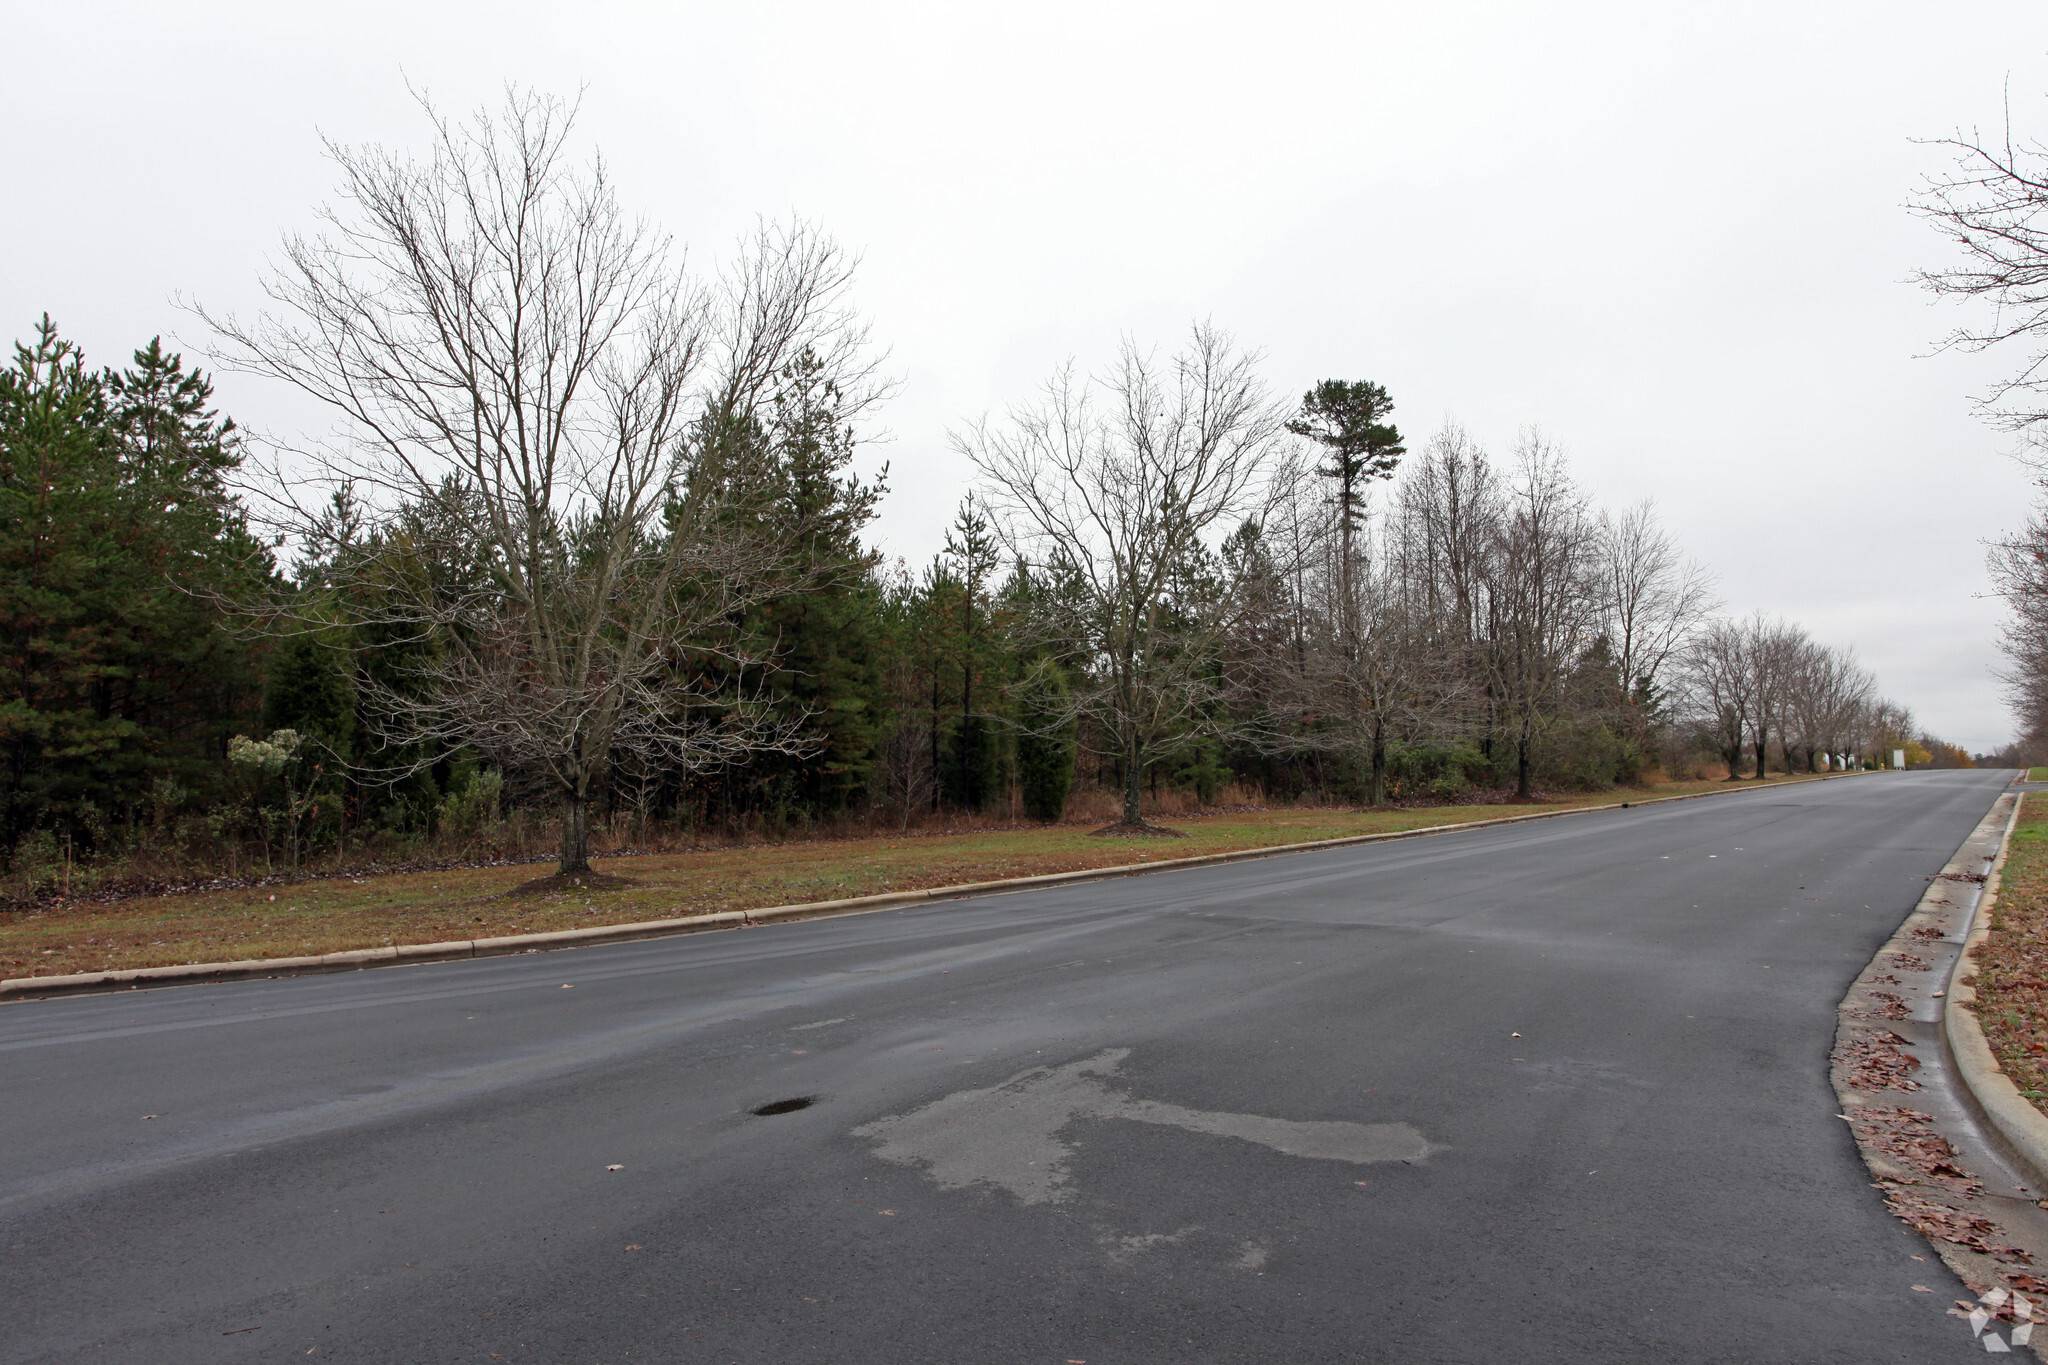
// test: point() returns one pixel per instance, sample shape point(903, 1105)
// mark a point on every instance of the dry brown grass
point(423, 907)
point(2012, 975)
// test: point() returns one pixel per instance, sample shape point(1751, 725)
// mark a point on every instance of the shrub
point(1439, 772)
point(1205, 771)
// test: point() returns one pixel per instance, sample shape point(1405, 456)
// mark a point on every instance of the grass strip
point(2012, 962)
point(340, 914)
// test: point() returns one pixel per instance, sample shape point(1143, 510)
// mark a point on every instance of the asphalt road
point(1555, 1091)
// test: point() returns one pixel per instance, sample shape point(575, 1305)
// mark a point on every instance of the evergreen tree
point(118, 545)
point(822, 634)
point(1045, 741)
point(1348, 419)
point(308, 692)
point(971, 548)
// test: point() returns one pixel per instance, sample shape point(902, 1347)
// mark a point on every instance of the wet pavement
point(1553, 1091)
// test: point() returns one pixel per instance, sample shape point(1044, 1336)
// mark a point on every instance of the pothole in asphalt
point(786, 1106)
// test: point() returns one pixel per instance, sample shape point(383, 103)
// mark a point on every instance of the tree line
point(590, 544)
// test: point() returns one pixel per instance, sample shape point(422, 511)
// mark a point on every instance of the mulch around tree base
point(1137, 829)
point(560, 884)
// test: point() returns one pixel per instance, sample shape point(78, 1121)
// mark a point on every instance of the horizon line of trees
point(594, 545)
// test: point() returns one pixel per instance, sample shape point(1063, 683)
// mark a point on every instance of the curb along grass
point(2018, 1124)
point(38, 987)
point(1920, 1090)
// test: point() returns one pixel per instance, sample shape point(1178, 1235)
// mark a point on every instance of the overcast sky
point(1670, 236)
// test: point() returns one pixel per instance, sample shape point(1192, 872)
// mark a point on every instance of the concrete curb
point(195, 973)
point(2009, 1114)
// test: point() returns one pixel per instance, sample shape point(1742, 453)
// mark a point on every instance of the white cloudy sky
point(1670, 235)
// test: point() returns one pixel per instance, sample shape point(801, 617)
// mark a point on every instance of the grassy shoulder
point(324, 916)
point(2012, 964)
point(2037, 774)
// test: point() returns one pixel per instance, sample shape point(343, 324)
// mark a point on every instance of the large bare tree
point(1353, 664)
point(1656, 598)
point(1543, 595)
point(1117, 485)
point(560, 440)
point(1718, 683)
point(1832, 691)
point(1451, 510)
point(1772, 652)
point(2019, 568)
point(1993, 206)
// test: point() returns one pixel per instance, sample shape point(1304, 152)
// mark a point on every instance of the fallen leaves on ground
point(1875, 1062)
point(1941, 1222)
point(1908, 1137)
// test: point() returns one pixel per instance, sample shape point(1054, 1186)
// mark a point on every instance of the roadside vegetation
point(604, 585)
point(2012, 975)
point(284, 918)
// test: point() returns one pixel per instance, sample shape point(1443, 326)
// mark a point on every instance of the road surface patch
point(1008, 1136)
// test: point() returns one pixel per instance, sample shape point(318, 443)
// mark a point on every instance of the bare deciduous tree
point(558, 435)
point(1718, 687)
point(1771, 652)
point(1331, 678)
point(1450, 512)
point(1994, 206)
point(1542, 594)
point(1116, 483)
point(1656, 598)
point(2019, 568)
point(1825, 693)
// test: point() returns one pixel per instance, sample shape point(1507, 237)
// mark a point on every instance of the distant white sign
point(1898, 758)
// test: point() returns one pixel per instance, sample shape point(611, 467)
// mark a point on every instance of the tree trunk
point(938, 772)
point(575, 833)
point(1379, 764)
point(1133, 780)
point(1524, 791)
point(967, 792)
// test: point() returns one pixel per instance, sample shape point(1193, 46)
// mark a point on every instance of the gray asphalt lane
point(1166, 1118)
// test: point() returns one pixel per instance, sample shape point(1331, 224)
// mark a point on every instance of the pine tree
point(117, 546)
point(1045, 742)
point(822, 634)
point(973, 556)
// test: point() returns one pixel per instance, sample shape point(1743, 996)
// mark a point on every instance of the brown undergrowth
point(1136, 829)
point(336, 914)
